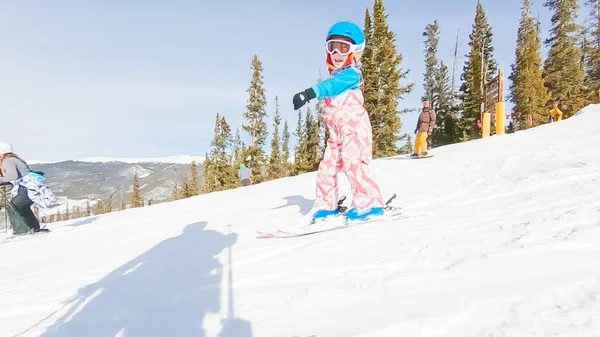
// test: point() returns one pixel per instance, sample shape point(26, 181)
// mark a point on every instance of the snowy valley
point(75, 182)
point(508, 245)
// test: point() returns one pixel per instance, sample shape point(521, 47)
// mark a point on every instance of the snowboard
point(337, 222)
point(421, 157)
point(408, 156)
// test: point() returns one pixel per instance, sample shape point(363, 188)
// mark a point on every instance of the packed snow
point(178, 159)
point(509, 246)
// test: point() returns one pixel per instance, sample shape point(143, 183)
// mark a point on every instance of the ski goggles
point(342, 47)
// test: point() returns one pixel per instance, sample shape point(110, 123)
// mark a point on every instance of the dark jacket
point(426, 120)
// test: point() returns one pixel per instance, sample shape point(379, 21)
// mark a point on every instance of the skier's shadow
point(83, 222)
point(166, 291)
point(303, 203)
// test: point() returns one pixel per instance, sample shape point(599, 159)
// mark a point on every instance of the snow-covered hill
point(76, 182)
point(510, 247)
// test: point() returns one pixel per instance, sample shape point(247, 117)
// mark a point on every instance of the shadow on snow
point(166, 291)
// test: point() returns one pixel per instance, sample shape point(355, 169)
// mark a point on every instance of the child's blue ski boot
point(326, 213)
point(362, 213)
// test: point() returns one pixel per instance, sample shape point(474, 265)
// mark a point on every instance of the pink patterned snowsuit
point(350, 144)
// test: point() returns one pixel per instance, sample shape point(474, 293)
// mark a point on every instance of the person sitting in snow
point(19, 211)
point(349, 147)
point(424, 128)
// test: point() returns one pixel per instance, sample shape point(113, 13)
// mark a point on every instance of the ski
point(25, 236)
point(339, 221)
point(281, 234)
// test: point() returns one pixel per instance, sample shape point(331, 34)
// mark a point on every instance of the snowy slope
point(179, 159)
point(511, 247)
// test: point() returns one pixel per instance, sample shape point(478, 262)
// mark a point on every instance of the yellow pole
point(500, 118)
point(485, 124)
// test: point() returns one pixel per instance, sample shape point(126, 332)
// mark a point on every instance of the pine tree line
point(438, 89)
point(569, 75)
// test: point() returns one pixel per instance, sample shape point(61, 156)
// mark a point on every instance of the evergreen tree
point(103, 206)
point(88, 208)
point(108, 204)
point(256, 127)
point(323, 133)
point(176, 192)
point(408, 146)
point(563, 71)
point(185, 187)
point(97, 210)
point(76, 212)
point(122, 205)
point(238, 152)
point(67, 212)
point(237, 149)
point(369, 72)
point(432, 37)
point(136, 196)
point(527, 90)
point(307, 154)
point(219, 174)
point(445, 130)
point(437, 88)
point(311, 155)
point(285, 148)
point(276, 165)
point(382, 87)
point(300, 141)
point(474, 79)
point(193, 189)
point(592, 51)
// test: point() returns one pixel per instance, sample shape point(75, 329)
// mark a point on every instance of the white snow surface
point(509, 246)
point(178, 159)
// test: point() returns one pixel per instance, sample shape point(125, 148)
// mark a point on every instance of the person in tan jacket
point(423, 130)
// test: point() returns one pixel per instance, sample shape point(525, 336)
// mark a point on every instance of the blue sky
point(146, 78)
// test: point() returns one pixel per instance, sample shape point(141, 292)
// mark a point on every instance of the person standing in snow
point(555, 113)
point(423, 130)
point(244, 174)
point(349, 147)
point(18, 208)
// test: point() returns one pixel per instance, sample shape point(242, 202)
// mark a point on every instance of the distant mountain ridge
point(178, 159)
point(74, 182)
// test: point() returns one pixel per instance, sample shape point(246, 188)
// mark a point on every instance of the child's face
point(338, 60)
point(339, 49)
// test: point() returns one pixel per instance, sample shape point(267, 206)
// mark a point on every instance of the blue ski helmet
point(349, 30)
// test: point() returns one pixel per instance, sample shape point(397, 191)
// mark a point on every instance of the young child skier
point(349, 147)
